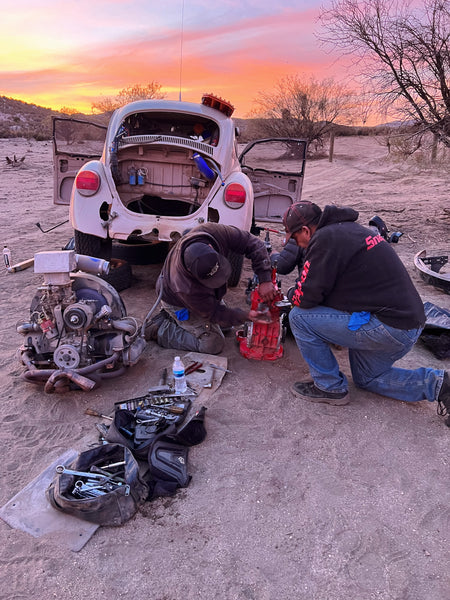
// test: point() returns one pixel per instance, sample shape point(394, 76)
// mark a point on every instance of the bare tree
point(108, 104)
point(402, 48)
point(68, 110)
point(301, 108)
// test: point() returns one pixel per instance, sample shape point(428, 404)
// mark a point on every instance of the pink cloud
point(233, 59)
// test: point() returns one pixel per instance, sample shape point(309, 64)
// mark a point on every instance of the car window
point(186, 126)
point(73, 136)
point(284, 156)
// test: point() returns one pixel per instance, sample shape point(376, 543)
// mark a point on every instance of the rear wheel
point(91, 245)
point(120, 274)
point(236, 262)
point(141, 253)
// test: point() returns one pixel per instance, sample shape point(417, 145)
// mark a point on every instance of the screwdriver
point(95, 413)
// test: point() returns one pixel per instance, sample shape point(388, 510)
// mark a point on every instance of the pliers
point(193, 367)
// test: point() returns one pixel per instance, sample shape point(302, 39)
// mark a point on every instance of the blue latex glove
point(357, 319)
point(182, 314)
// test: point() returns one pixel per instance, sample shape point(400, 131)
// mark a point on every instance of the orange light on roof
point(219, 104)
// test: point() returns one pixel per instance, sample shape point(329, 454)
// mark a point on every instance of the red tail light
point(235, 195)
point(87, 182)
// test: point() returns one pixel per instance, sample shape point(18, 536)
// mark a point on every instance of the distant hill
point(20, 119)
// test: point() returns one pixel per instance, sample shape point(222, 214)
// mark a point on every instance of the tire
point(120, 275)
point(236, 261)
point(137, 253)
point(91, 245)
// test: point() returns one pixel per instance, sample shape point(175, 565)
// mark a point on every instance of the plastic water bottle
point(179, 376)
point(7, 256)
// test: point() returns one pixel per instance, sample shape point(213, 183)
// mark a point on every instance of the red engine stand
point(262, 341)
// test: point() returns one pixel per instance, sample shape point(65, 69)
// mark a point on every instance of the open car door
point(276, 167)
point(75, 142)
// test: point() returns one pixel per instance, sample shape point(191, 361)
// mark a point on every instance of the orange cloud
point(235, 61)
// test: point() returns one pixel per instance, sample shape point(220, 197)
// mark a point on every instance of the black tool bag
point(122, 431)
point(164, 451)
point(436, 333)
point(112, 508)
point(193, 432)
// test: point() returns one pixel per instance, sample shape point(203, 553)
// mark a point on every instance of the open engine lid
point(276, 168)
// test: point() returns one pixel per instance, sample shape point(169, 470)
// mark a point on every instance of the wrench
point(62, 470)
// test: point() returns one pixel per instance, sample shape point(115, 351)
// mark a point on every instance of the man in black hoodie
point(193, 282)
point(355, 292)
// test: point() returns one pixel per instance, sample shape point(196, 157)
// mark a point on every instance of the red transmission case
point(262, 341)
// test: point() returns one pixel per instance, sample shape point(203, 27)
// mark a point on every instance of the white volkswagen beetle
point(165, 167)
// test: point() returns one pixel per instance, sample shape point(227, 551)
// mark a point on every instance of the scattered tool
point(211, 380)
point(159, 399)
point(62, 470)
point(219, 368)
point(162, 410)
point(162, 385)
point(21, 266)
point(95, 413)
point(38, 225)
point(193, 367)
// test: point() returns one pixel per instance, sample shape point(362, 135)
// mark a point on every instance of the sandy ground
point(288, 500)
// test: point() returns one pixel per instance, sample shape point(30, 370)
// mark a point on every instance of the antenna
point(181, 45)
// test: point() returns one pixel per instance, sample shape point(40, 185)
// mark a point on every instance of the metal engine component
point(66, 356)
point(78, 316)
point(78, 332)
point(263, 341)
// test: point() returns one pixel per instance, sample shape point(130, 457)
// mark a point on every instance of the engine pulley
point(66, 356)
point(78, 316)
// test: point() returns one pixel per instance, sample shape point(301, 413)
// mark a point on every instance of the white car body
point(159, 175)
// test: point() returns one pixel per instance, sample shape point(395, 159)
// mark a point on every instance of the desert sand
point(288, 500)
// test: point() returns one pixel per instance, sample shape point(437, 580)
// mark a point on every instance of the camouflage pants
point(193, 334)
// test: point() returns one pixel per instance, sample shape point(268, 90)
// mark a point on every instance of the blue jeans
point(373, 349)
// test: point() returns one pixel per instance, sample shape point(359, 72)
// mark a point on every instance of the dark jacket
point(351, 268)
point(181, 289)
point(290, 257)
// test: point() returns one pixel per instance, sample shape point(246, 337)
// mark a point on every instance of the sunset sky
point(69, 54)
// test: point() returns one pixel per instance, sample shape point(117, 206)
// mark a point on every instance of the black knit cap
point(298, 215)
point(208, 266)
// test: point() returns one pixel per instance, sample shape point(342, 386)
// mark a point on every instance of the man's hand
point(258, 316)
point(267, 291)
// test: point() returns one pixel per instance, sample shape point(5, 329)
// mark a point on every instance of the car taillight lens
point(87, 182)
point(234, 195)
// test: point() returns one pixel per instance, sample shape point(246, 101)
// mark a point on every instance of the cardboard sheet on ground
point(198, 379)
point(30, 511)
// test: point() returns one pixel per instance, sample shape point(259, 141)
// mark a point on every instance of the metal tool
point(62, 470)
point(162, 385)
point(113, 477)
point(193, 367)
point(110, 466)
point(95, 413)
point(219, 368)
point(155, 413)
point(211, 380)
point(153, 398)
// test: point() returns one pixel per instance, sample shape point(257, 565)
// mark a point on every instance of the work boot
point(307, 390)
point(443, 406)
point(152, 326)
